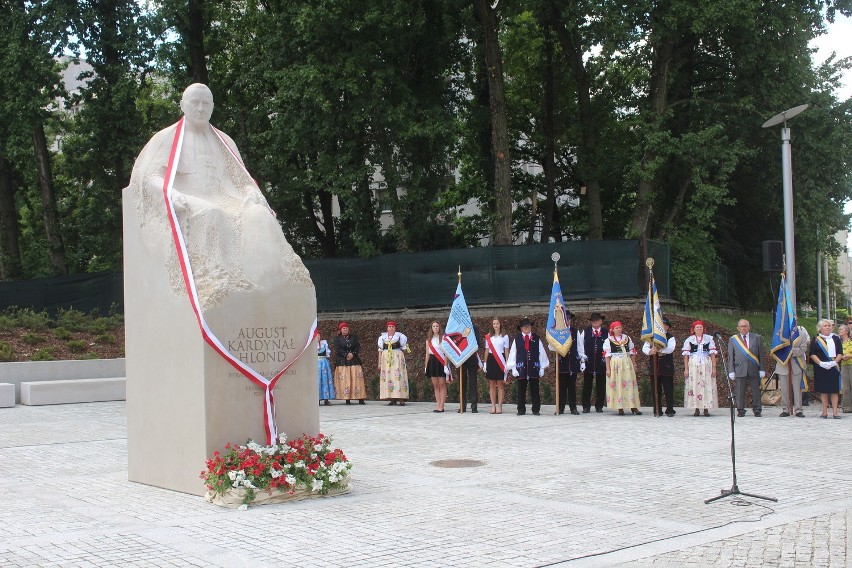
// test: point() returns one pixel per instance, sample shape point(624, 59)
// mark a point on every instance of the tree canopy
point(387, 125)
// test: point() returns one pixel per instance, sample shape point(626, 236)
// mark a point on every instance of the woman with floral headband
point(348, 374)
point(393, 374)
point(622, 390)
point(699, 371)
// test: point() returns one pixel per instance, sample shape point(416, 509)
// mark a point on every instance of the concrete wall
point(33, 371)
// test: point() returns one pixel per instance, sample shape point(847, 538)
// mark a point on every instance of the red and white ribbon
point(268, 384)
point(497, 354)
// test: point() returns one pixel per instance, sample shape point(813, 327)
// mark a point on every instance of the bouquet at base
point(289, 470)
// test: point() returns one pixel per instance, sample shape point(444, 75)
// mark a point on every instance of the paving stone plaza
point(588, 490)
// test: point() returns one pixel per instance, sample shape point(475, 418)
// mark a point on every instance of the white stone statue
point(252, 293)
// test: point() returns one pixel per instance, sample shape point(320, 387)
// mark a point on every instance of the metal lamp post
point(787, 176)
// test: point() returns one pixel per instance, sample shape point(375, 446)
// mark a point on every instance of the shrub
point(105, 338)
point(29, 319)
point(72, 319)
point(7, 322)
point(7, 352)
point(61, 333)
point(44, 354)
point(77, 345)
point(32, 339)
point(88, 355)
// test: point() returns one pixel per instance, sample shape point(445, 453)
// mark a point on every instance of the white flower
point(300, 464)
point(247, 484)
point(232, 475)
point(317, 485)
point(275, 473)
point(271, 450)
point(255, 447)
point(290, 479)
point(282, 438)
point(333, 478)
point(317, 447)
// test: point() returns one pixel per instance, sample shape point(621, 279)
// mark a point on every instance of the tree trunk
point(10, 251)
point(48, 202)
point(548, 162)
point(588, 154)
point(502, 226)
point(195, 41)
point(658, 95)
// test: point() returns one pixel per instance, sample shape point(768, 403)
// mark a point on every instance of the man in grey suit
point(745, 364)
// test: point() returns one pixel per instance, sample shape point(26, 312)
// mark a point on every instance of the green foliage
point(44, 354)
point(88, 355)
point(32, 339)
point(105, 338)
point(77, 345)
point(30, 319)
point(7, 352)
point(61, 333)
point(72, 319)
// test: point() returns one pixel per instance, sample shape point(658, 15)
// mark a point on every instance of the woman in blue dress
point(326, 381)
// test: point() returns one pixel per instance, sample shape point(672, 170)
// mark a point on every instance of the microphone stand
point(734, 490)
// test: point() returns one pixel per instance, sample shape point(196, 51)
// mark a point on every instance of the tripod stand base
point(734, 490)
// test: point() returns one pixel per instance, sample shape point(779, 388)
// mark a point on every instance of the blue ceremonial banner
point(786, 330)
point(558, 330)
point(652, 318)
point(459, 341)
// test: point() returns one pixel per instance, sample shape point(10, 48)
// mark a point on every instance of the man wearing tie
point(593, 366)
point(527, 360)
point(745, 364)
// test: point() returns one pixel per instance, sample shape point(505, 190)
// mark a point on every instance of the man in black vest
point(568, 367)
point(665, 369)
point(590, 350)
point(528, 360)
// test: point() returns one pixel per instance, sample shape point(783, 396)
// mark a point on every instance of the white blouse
point(617, 352)
point(701, 350)
point(397, 336)
point(501, 343)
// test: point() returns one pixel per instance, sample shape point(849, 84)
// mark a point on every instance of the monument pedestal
point(184, 400)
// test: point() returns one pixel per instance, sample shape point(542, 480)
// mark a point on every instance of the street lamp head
point(787, 114)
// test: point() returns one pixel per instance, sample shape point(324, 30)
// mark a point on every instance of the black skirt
point(492, 370)
point(434, 368)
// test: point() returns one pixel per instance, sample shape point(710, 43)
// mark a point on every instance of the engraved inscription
point(255, 345)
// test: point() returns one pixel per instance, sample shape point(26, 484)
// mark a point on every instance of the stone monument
point(217, 304)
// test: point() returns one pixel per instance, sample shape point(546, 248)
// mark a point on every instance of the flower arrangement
point(307, 465)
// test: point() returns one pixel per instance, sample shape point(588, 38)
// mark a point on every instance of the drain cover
point(458, 463)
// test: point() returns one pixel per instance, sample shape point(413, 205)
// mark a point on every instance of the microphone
point(717, 335)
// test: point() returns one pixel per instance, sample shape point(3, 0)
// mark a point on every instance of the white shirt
point(608, 347)
point(501, 343)
point(671, 345)
point(544, 362)
point(581, 342)
point(397, 336)
point(692, 340)
point(323, 348)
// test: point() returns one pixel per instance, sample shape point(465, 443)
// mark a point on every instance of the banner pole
point(557, 384)
point(461, 389)
point(658, 411)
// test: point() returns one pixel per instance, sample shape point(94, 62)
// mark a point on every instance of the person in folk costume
point(496, 370)
point(590, 350)
point(745, 365)
point(326, 382)
point(471, 368)
point(620, 355)
point(798, 362)
point(527, 360)
point(665, 368)
point(826, 352)
point(435, 366)
point(348, 374)
point(393, 374)
point(699, 371)
point(569, 366)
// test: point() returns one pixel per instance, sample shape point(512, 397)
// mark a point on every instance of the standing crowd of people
point(605, 357)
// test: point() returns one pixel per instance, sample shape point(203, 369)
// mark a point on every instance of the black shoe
point(784, 414)
point(392, 403)
point(800, 414)
point(326, 403)
point(599, 410)
point(670, 413)
point(586, 410)
point(361, 402)
point(474, 410)
point(740, 413)
point(535, 413)
point(521, 412)
point(574, 411)
point(348, 402)
point(758, 413)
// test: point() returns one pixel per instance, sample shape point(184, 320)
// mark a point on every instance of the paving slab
point(578, 491)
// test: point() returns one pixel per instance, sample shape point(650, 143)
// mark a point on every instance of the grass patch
point(77, 345)
point(44, 354)
point(88, 355)
point(32, 338)
point(29, 319)
point(105, 338)
point(61, 333)
point(7, 352)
